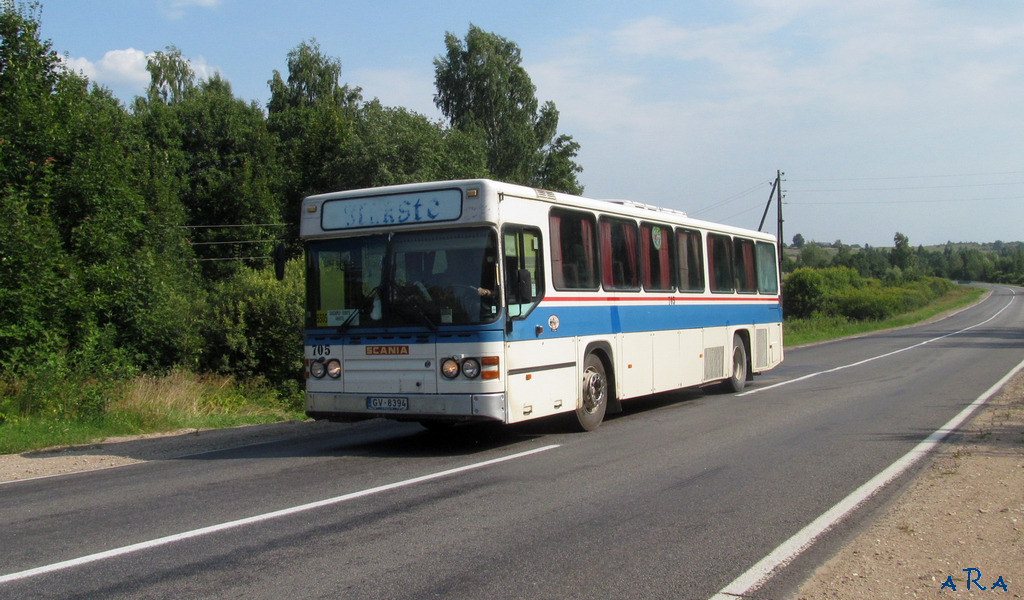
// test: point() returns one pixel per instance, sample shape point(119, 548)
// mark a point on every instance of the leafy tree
point(231, 174)
point(798, 240)
point(313, 80)
point(392, 145)
point(313, 115)
point(870, 262)
point(483, 89)
point(331, 140)
point(171, 77)
point(34, 272)
point(33, 281)
point(901, 256)
point(29, 75)
point(814, 256)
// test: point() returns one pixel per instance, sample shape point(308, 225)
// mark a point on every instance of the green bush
point(808, 291)
point(866, 304)
point(255, 326)
point(841, 292)
point(63, 386)
point(803, 293)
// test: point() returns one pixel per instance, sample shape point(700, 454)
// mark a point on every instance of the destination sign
point(394, 209)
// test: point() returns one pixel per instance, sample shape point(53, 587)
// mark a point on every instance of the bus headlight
point(450, 368)
point(471, 368)
point(334, 368)
point(317, 368)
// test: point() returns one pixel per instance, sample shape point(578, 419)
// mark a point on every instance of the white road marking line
point(874, 358)
point(67, 564)
point(757, 575)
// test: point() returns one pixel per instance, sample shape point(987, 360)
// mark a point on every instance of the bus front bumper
point(406, 407)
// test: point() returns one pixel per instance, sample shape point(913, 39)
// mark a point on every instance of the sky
point(885, 116)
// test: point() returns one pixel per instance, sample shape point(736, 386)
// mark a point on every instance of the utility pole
point(777, 194)
point(778, 204)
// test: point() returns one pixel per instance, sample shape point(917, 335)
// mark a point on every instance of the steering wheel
point(423, 290)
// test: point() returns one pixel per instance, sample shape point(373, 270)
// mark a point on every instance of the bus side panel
point(775, 338)
point(635, 364)
point(677, 358)
point(542, 377)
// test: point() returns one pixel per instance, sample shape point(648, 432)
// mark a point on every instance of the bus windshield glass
point(408, 279)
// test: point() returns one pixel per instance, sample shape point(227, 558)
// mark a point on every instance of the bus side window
point(720, 263)
point(767, 274)
point(619, 254)
point(691, 260)
point(573, 250)
point(522, 252)
point(656, 257)
point(743, 265)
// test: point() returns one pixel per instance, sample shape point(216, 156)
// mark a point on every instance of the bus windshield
point(425, 278)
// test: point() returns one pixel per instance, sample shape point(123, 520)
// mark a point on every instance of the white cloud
point(117, 69)
point(124, 71)
point(176, 9)
point(201, 69)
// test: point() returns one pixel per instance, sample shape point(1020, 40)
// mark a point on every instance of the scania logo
point(386, 350)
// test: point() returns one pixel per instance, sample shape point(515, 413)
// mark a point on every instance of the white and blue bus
point(476, 300)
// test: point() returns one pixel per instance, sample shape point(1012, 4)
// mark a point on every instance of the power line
point(234, 242)
point(916, 187)
point(732, 198)
point(930, 201)
point(228, 226)
point(234, 258)
point(900, 177)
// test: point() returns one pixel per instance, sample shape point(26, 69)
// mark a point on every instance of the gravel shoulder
point(964, 510)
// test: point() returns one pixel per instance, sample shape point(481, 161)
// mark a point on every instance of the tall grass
point(143, 404)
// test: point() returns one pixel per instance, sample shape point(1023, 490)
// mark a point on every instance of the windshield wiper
point(422, 314)
point(367, 302)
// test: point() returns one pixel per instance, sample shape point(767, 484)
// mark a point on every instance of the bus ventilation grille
point(761, 354)
point(714, 363)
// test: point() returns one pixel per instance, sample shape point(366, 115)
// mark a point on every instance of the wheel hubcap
point(593, 390)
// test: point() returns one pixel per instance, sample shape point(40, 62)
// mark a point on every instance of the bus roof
point(626, 208)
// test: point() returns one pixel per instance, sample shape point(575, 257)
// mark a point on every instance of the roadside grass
point(151, 404)
point(797, 332)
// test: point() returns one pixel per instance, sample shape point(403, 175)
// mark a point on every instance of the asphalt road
point(673, 499)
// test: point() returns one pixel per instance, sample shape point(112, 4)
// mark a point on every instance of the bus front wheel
point(593, 395)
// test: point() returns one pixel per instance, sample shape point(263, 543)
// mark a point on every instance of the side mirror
point(524, 287)
point(280, 257)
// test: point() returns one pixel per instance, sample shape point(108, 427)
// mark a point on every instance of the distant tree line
point(136, 238)
point(997, 262)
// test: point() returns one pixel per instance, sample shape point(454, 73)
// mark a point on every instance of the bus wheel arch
point(603, 350)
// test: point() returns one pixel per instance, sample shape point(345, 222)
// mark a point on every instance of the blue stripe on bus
point(574, 319)
point(577, 320)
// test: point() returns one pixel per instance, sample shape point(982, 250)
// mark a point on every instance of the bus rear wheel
point(738, 381)
point(593, 395)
